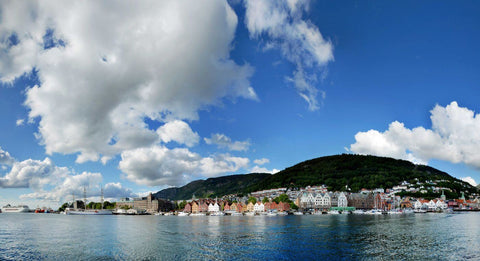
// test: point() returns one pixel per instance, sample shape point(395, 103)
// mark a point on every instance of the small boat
point(218, 213)
point(420, 211)
point(250, 214)
point(374, 212)
point(333, 212)
point(282, 213)
point(272, 214)
point(197, 214)
point(237, 214)
point(298, 213)
point(358, 212)
point(182, 214)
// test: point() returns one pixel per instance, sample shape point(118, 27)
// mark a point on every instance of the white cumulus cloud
point(5, 158)
point(223, 141)
point(178, 131)
point(159, 165)
point(34, 174)
point(53, 183)
point(279, 23)
point(454, 137)
point(102, 75)
point(258, 169)
point(470, 181)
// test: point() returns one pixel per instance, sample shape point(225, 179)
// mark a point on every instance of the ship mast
point(85, 197)
point(101, 198)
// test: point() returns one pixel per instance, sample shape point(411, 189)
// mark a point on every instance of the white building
point(213, 207)
point(259, 207)
point(342, 200)
point(307, 200)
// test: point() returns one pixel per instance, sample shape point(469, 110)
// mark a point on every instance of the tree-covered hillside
point(212, 187)
point(337, 172)
point(357, 172)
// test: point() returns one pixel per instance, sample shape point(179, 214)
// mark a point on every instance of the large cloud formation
point(104, 67)
point(53, 183)
point(280, 24)
point(158, 165)
point(454, 137)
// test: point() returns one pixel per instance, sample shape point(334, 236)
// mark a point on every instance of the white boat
point(358, 212)
point(282, 213)
point(237, 214)
point(298, 213)
point(408, 211)
point(69, 211)
point(218, 213)
point(420, 211)
point(197, 214)
point(168, 213)
point(374, 212)
point(182, 214)
point(15, 209)
point(250, 214)
point(394, 212)
point(272, 214)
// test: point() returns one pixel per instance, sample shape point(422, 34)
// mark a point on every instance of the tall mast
point(85, 197)
point(101, 197)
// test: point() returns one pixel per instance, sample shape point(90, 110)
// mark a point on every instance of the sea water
point(334, 237)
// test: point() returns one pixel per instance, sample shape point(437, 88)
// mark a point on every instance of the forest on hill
point(346, 172)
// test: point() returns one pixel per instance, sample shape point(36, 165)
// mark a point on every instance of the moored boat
point(15, 209)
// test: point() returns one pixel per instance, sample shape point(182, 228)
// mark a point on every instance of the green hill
point(336, 172)
point(212, 187)
point(358, 171)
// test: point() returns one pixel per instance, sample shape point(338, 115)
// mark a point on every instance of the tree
point(265, 200)
point(293, 206)
point(252, 199)
point(182, 205)
point(63, 207)
point(284, 198)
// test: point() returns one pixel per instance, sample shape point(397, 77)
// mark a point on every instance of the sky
point(139, 96)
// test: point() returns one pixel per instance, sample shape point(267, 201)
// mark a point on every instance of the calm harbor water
point(344, 237)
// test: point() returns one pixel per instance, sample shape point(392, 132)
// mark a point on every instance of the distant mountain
point(336, 172)
point(358, 171)
point(212, 187)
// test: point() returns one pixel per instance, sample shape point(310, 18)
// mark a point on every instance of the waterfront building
point(259, 207)
point(188, 208)
point(283, 206)
point(342, 200)
point(226, 207)
point(195, 208)
point(202, 206)
point(307, 200)
point(146, 204)
point(361, 200)
point(250, 207)
point(233, 207)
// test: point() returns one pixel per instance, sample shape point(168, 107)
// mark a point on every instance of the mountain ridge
point(345, 172)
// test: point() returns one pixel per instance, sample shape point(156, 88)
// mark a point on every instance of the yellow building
point(250, 207)
point(195, 207)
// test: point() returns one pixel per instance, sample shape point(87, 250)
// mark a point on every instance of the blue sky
point(185, 90)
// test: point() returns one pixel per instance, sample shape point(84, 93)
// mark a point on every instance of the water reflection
point(426, 236)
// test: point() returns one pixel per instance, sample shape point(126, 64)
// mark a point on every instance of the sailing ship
point(85, 211)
